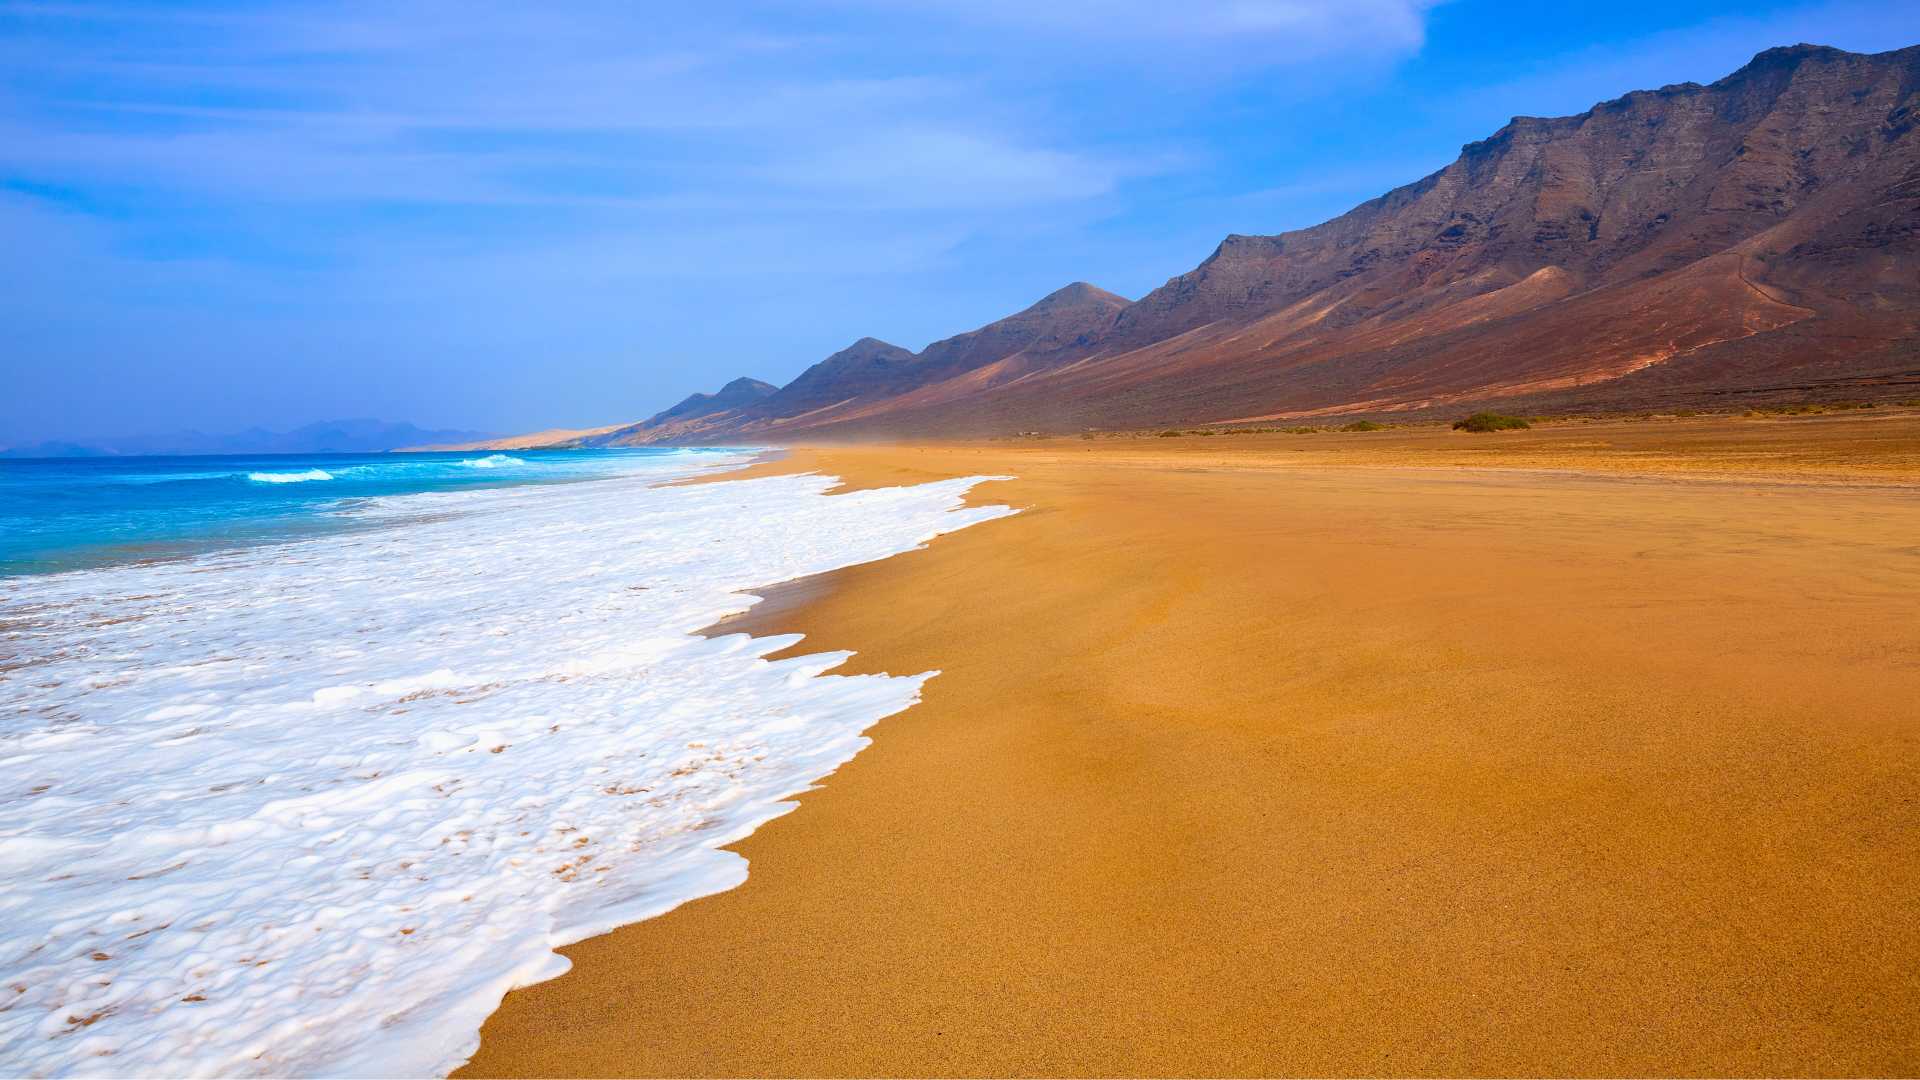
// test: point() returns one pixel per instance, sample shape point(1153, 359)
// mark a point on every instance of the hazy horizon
point(484, 218)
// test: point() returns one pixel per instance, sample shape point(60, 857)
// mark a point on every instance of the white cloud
point(910, 167)
point(488, 103)
point(1300, 25)
point(1305, 26)
point(395, 185)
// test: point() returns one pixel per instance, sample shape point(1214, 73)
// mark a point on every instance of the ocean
point(67, 513)
point(305, 762)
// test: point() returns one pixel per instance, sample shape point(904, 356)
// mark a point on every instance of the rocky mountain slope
point(1687, 244)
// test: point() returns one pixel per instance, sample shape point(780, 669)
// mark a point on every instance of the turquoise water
point(66, 514)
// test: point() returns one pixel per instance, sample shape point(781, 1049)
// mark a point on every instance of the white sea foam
point(491, 461)
point(315, 807)
point(289, 477)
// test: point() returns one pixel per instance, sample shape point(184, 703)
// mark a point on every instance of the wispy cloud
point(216, 181)
point(297, 103)
point(1307, 26)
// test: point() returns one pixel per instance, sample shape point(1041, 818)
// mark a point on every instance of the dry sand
point(1314, 755)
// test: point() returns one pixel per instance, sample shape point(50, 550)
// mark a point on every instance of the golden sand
point(1311, 755)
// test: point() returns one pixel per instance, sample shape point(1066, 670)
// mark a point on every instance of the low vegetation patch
point(1364, 425)
point(1810, 408)
point(1177, 433)
point(1489, 421)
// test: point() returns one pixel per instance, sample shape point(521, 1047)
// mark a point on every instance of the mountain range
point(328, 436)
point(1692, 244)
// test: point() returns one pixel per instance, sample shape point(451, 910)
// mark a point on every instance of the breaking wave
point(289, 477)
point(313, 808)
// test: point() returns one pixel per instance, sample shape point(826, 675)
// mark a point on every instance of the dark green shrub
point(1488, 421)
point(1810, 408)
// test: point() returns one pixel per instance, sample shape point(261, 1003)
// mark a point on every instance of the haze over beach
point(1253, 539)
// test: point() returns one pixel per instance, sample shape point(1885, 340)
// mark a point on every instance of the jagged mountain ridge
point(1686, 243)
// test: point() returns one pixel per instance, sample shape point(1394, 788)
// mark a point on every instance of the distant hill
point(871, 377)
point(1688, 245)
point(736, 395)
point(329, 436)
point(696, 413)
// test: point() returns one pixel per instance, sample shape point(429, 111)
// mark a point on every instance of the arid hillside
point(1688, 245)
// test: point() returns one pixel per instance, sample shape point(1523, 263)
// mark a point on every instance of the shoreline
point(1240, 764)
point(375, 789)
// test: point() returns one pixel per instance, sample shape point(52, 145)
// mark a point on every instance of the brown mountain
point(867, 367)
point(886, 379)
point(871, 379)
point(738, 394)
point(693, 416)
point(1692, 243)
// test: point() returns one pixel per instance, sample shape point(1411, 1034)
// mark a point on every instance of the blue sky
point(509, 216)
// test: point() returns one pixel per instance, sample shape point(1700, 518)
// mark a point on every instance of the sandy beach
point(1591, 750)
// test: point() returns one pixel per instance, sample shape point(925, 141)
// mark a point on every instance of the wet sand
point(1588, 750)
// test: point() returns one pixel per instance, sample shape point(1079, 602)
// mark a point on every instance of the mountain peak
point(845, 374)
point(1786, 59)
point(1793, 54)
point(737, 394)
point(1079, 292)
